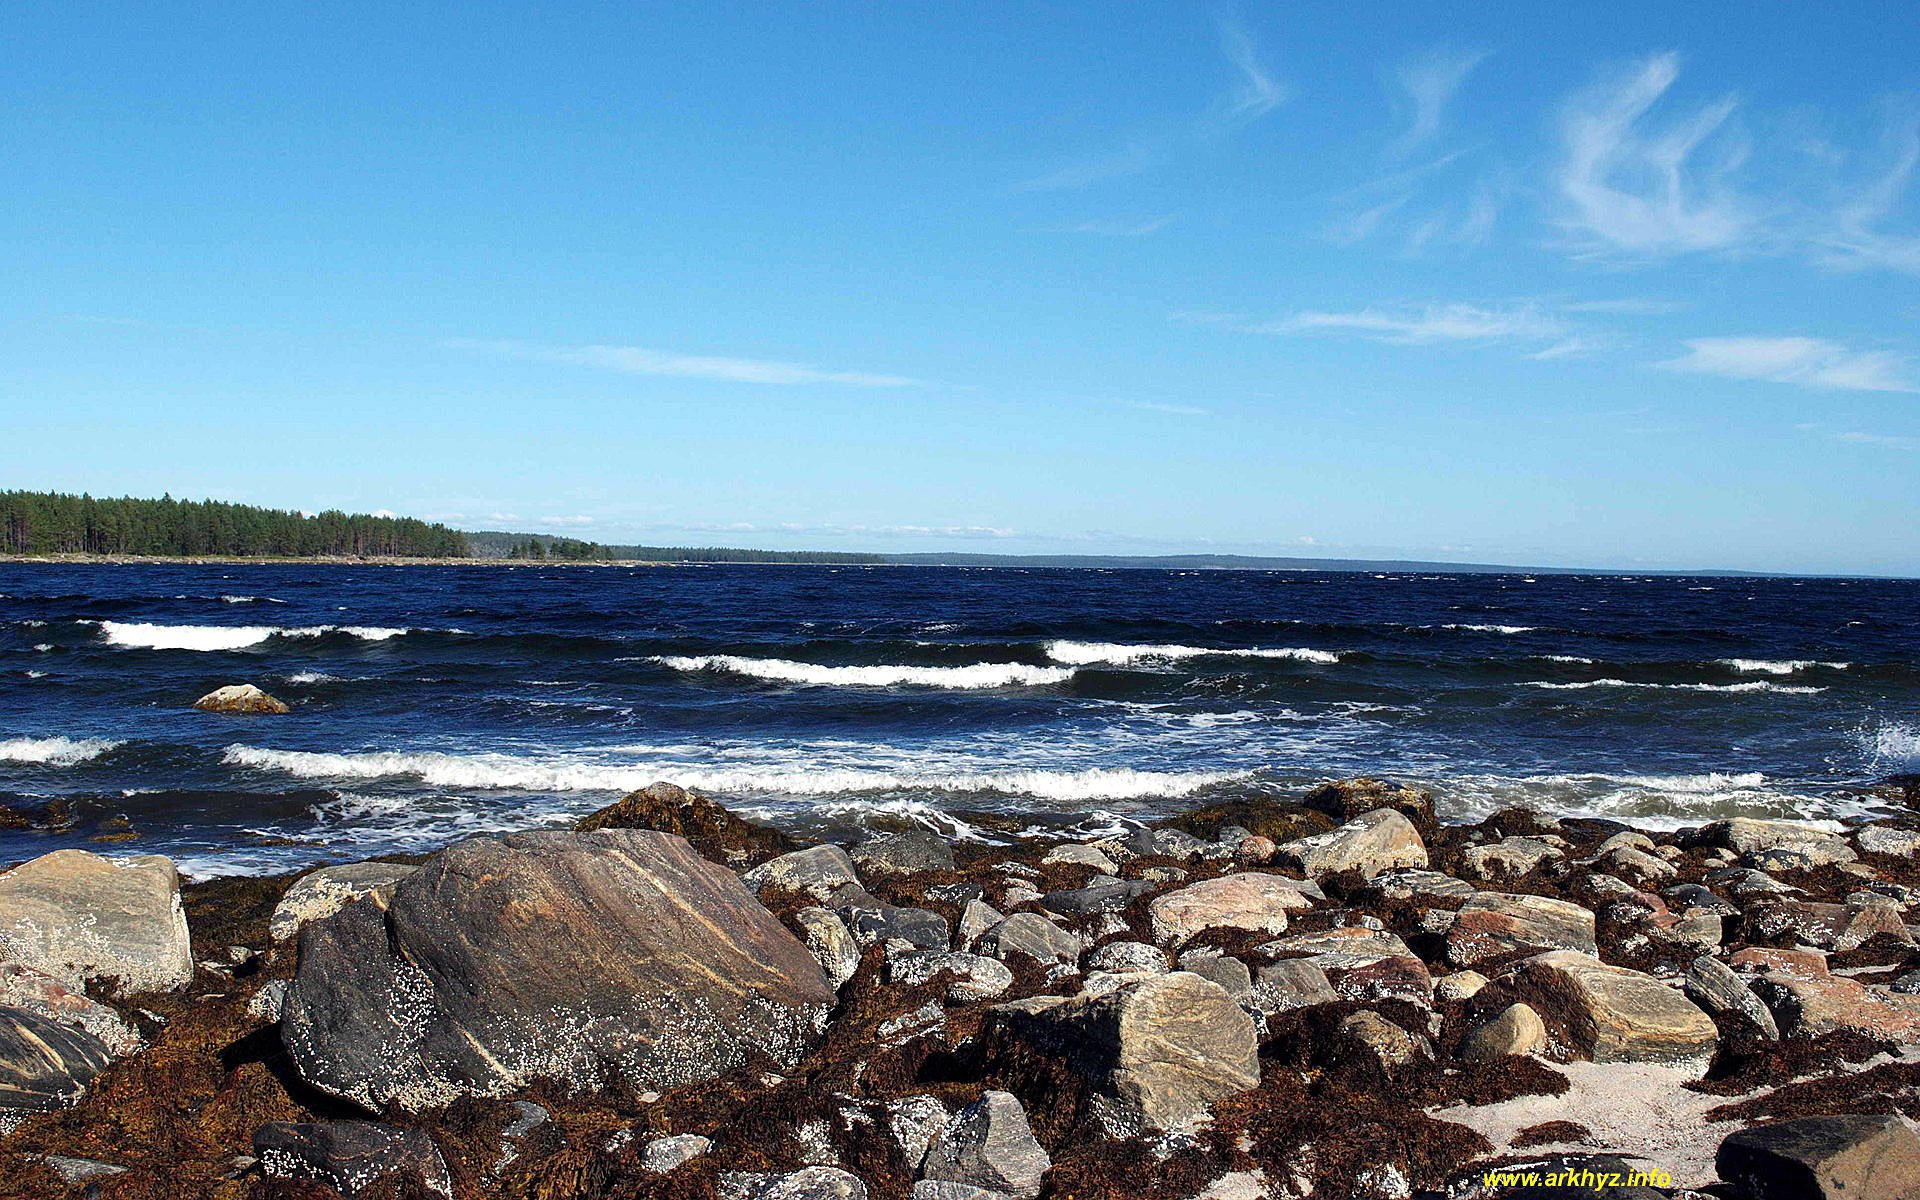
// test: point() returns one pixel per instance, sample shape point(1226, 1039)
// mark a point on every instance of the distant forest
point(56, 523)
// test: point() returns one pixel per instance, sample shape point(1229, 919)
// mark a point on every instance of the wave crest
point(1783, 666)
point(54, 751)
point(978, 675)
point(1757, 685)
point(1121, 654)
point(144, 636)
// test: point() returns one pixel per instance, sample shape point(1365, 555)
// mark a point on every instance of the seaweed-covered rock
point(1847, 1157)
point(1828, 926)
point(1251, 901)
point(83, 918)
point(712, 830)
point(1492, 924)
point(1369, 844)
point(45, 1064)
point(1359, 963)
point(1101, 894)
point(873, 920)
point(972, 977)
point(326, 891)
point(989, 1144)
point(830, 942)
point(1157, 1050)
point(241, 698)
point(1345, 799)
point(584, 957)
point(349, 1156)
point(1614, 1014)
point(1508, 858)
point(1771, 844)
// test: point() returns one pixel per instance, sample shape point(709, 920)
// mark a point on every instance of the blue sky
point(1633, 285)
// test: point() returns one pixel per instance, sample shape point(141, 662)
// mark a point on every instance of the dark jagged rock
point(989, 1144)
point(330, 889)
point(580, 957)
point(45, 1064)
point(1824, 1158)
point(711, 829)
point(1101, 895)
point(350, 1156)
point(873, 920)
point(1032, 936)
point(1712, 985)
point(1345, 799)
point(817, 871)
point(907, 853)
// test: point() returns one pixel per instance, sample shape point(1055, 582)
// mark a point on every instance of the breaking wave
point(1119, 654)
point(1493, 628)
point(1785, 666)
point(1758, 685)
point(978, 675)
point(141, 636)
point(54, 751)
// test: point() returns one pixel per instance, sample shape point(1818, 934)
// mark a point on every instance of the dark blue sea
point(434, 702)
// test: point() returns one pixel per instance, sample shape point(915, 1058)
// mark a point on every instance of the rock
point(1828, 926)
point(1251, 901)
point(1176, 843)
point(1770, 844)
point(1852, 1157)
point(915, 1121)
point(975, 919)
point(240, 698)
point(811, 1183)
point(830, 942)
point(83, 919)
point(79, 1170)
point(349, 1156)
point(1156, 1051)
point(1369, 844)
point(1712, 985)
point(582, 957)
point(1289, 984)
point(944, 1189)
point(270, 1002)
point(1360, 963)
point(872, 920)
point(1345, 799)
point(975, 977)
point(1224, 969)
point(712, 830)
point(1255, 848)
point(1078, 855)
point(1888, 839)
point(1461, 985)
point(1639, 867)
point(1493, 924)
point(326, 891)
point(989, 1145)
point(1421, 885)
point(1808, 1005)
point(44, 1064)
point(907, 853)
point(1370, 1037)
point(1692, 895)
point(1103, 894)
point(1517, 1030)
point(1128, 957)
point(818, 872)
point(663, 1154)
point(1507, 858)
point(1031, 936)
point(1614, 1014)
point(36, 991)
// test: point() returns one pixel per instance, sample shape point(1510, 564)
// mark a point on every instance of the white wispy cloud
point(640, 360)
point(1639, 187)
point(1173, 410)
point(1856, 238)
point(1809, 362)
point(1428, 324)
point(1891, 441)
point(1254, 93)
point(1123, 228)
point(833, 529)
point(1426, 84)
point(564, 522)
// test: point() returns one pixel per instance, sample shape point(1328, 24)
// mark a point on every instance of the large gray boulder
point(989, 1144)
point(1249, 901)
point(1777, 844)
point(1369, 844)
point(906, 853)
point(581, 957)
point(82, 918)
point(1615, 1014)
point(817, 871)
point(1156, 1050)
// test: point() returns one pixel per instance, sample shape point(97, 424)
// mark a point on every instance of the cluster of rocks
point(1269, 999)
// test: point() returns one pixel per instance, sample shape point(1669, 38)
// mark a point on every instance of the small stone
point(1508, 858)
point(975, 919)
point(1517, 1030)
point(1413, 884)
point(817, 872)
point(1777, 843)
point(1371, 1037)
point(810, 1183)
point(1289, 984)
point(1083, 856)
point(872, 920)
point(946, 1189)
point(79, 1170)
point(1829, 926)
point(915, 1121)
point(974, 977)
point(269, 1002)
point(989, 1144)
point(1888, 839)
point(907, 853)
point(1461, 985)
point(663, 1154)
point(830, 942)
point(1853, 1157)
point(1346, 799)
point(240, 698)
point(44, 1064)
point(1224, 969)
point(1809, 1005)
point(1127, 956)
point(349, 1156)
point(1360, 963)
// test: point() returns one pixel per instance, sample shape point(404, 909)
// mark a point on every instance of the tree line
point(58, 523)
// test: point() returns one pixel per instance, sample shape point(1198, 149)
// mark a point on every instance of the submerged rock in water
point(240, 698)
point(581, 957)
point(82, 919)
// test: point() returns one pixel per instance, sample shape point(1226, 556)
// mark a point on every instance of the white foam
point(1649, 801)
point(54, 751)
point(1784, 666)
point(312, 677)
point(1494, 628)
point(226, 637)
point(1565, 658)
point(1083, 653)
point(1894, 749)
point(500, 771)
point(1758, 685)
point(978, 675)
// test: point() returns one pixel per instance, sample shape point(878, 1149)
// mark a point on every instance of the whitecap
point(54, 751)
point(1121, 654)
point(1784, 666)
point(1757, 685)
point(143, 636)
point(977, 675)
point(1494, 628)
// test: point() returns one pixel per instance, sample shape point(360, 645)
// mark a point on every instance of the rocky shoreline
point(1328, 996)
